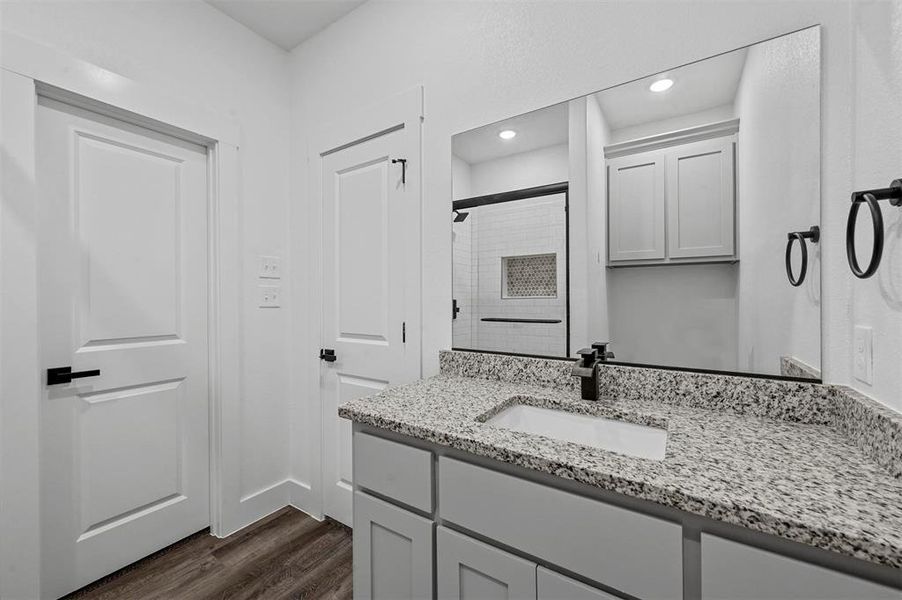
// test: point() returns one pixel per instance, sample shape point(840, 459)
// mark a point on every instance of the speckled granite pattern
point(511, 369)
point(793, 367)
point(799, 478)
point(874, 428)
point(774, 398)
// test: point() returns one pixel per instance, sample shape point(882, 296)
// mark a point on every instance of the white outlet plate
point(270, 267)
point(270, 296)
point(863, 354)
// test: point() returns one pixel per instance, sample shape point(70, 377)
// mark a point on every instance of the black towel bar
point(813, 234)
point(870, 197)
point(514, 320)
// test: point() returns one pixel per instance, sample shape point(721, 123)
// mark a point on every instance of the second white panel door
point(370, 286)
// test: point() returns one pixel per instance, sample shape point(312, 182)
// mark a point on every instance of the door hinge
point(404, 332)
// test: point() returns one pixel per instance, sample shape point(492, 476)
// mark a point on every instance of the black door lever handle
point(60, 375)
point(327, 354)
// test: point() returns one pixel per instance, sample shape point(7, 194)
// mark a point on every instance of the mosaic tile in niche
point(530, 276)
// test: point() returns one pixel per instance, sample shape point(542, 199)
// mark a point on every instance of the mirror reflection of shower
point(510, 237)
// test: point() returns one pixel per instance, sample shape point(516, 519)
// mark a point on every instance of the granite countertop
point(803, 482)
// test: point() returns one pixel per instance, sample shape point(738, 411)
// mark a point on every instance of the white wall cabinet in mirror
point(700, 212)
point(636, 207)
point(674, 204)
point(675, 196)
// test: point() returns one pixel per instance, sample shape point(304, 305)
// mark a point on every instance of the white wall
point(684, 316)
point(518, 171)
point(598, 136)
point(481, 62)
point(876, 159)
point(461, 177)
point(191, 51)
point(778, 185)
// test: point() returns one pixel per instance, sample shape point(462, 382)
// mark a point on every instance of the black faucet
point(586, 368)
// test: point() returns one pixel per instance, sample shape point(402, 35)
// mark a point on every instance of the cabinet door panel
point(700, 199)
point(554, 586)
point(392, 551)
point(471, 570)
point(734, 571)
point(636, 207)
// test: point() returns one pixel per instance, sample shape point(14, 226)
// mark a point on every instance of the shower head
point(460, 217)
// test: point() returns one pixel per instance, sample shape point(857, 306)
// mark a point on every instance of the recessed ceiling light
point(507, 134)
point(661, 85)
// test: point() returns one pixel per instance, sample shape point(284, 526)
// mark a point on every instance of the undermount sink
point(640, 441)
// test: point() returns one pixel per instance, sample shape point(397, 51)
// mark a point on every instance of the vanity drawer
point(735, 571)
point(396, 471)
point(635, 553)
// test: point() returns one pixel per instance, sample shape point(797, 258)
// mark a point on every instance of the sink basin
point(641, 441)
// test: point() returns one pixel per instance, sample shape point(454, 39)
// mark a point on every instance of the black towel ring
point(813, 234)
point(870, 197)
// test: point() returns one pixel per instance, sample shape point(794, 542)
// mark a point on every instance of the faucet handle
point(602, 349)
point(588, 356)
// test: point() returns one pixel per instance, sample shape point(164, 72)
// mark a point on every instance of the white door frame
point(29, 69)
point(402, 110)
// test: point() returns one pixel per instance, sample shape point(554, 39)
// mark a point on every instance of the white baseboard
point(264, 502)
point(303, 498)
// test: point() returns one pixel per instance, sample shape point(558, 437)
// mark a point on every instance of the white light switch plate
point(863, 354)
point(270, 296)
point(270, 267)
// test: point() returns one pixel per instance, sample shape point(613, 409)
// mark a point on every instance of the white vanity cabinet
point(392, 554)
point(734, 571)
point(554, 586)
point(672, 199)
point(471, 570)
point(430, 523)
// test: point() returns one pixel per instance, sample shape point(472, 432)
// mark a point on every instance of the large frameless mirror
point(675, 217)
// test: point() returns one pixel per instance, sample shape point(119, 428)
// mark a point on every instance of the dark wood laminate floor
point(286, 555)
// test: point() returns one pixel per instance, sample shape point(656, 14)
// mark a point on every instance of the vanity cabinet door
point(554, 586)
point(734, 571)
point(471, 570)
point(636, 207)
point(700, 199)
point(392, 551)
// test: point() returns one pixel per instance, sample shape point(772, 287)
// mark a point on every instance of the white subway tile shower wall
point(523, 227)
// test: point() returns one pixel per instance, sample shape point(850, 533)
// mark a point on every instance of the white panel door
point(370, 288)
point(123, 289)
point(700, 205)
point(636, 197)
